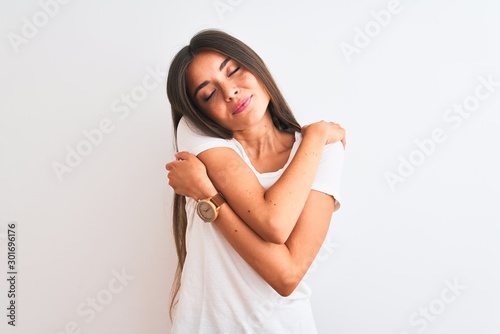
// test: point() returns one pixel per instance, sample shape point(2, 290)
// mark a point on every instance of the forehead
point(203, 65)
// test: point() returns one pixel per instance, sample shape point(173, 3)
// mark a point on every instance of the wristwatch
point(208, 209)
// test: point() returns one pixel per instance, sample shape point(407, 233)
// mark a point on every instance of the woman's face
point(226, 92)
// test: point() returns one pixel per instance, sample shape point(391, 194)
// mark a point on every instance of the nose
point(229, 91)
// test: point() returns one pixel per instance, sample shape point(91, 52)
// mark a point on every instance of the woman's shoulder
point(330, 151)
point(191, 140)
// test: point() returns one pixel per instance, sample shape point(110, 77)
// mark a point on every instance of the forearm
point(281, 266)
point(271, 213)
point(286, 198)
point(273, 262)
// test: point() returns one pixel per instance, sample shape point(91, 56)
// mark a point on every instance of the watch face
point(206, 211)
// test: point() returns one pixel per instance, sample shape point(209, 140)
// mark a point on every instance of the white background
point(390, 251)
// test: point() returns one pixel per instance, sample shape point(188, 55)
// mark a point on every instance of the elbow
point(277, 238)
point(287, 283)
point(287, 287)
point(286, 291)
point(277, 233)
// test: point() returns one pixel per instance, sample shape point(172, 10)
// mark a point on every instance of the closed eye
point(230, 74)
point(234, 71)
point(209, 96)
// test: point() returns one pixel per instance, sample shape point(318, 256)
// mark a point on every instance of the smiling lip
point(242, 105)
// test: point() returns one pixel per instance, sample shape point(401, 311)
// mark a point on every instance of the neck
point(263, 138)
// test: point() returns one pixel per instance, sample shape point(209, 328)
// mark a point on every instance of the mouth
point(242, 105)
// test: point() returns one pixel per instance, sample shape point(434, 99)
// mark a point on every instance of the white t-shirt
point(220, 293)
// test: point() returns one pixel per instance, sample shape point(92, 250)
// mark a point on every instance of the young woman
point(255, 193)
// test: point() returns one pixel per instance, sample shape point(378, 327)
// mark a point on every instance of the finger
point(173, 185)
point(183, 155)
point(171, 165)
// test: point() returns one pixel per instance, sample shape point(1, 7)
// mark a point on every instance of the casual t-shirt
point(220, 292)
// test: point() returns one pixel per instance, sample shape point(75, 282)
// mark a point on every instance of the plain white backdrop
point(85, 132)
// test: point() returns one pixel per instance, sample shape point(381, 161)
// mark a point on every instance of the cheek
point(251, 81)
point(215, 110)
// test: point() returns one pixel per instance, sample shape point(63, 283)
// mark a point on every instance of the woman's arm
point(272, 214)
point(282, 266)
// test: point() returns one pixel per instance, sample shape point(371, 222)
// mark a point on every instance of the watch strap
point(218, 200)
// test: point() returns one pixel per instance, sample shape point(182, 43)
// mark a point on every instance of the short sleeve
point(330, 172)
point(190, 141)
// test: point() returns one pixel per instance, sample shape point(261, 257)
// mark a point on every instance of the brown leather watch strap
point(218, 200)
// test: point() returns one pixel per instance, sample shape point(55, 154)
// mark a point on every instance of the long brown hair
point(183, 106)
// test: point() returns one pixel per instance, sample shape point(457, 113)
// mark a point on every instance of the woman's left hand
point(188, 176)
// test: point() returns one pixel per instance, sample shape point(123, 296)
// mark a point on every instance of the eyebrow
point(203, 84)
point(206, 82)
point(223, 64)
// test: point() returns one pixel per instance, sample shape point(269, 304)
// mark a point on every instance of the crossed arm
point(278, 232)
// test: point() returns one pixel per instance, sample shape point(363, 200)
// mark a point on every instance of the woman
point(255, 193)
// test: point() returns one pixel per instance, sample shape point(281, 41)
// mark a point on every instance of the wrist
point(207, 192)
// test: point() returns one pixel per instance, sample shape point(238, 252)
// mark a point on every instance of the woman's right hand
point(188, 176)
point(331, 132)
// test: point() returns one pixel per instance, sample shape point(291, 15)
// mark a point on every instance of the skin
point(270, 229)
